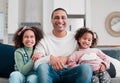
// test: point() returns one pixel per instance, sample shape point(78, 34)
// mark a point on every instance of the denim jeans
point(17, 77)
point(79, 74)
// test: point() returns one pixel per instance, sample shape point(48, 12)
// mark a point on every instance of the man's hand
point(64, 59)
point(58, 62)
point(36, 56)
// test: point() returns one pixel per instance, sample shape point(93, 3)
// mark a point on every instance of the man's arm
point(41, 48)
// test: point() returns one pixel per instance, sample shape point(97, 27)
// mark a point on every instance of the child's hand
point(102, 67)
point(36, 56)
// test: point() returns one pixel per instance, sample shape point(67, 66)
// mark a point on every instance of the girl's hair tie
point(25, 27)
point(94, 35)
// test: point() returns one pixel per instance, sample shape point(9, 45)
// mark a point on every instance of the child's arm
point(73, 60)
point(105, 63)
point(21, 66)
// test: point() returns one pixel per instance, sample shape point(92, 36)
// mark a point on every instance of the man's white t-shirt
point(52, 45)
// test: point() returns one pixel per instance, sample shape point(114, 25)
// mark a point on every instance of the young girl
point(87, 39)
point(25, 39)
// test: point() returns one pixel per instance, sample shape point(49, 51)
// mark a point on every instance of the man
point(56, 47)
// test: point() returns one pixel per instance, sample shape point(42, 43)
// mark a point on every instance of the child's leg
point(104, 77)
point(16, 77)
point(95, 79)
point(32, 78)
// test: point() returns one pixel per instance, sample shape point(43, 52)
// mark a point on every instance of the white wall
point(50, 5)
point(23, 11)
point(96, 12)
point(99, 10)
point(47, 11)
point(13, 18)
point(72, 7)
point(3, 21)
point(33, 10)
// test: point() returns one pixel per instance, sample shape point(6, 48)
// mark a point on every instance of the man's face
point(59, 20)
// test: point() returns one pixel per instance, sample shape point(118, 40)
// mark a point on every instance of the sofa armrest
point(6, 60)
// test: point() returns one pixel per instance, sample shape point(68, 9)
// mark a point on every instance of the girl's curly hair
point(18, 36)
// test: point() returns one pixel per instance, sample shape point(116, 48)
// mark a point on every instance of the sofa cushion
point(4, 80)
point(6, 60)
point(114, 53)
point(112, 70)
point(116, 64)
point(115, 80)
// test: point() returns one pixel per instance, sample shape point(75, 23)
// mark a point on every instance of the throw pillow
point(116, 64)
